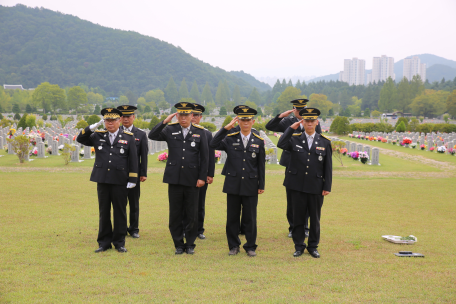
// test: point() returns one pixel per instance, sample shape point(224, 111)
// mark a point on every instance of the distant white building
point(14, 87)
point(413, 66)
point(369, 78)
point(382, 68)
point(353, 72)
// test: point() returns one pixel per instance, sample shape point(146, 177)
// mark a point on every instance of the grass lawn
point(49, 223)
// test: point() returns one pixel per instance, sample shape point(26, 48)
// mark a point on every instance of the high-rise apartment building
point(353, 72)
point(413, 66)
point(382, 68)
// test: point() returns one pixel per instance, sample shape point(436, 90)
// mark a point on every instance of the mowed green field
point(49, 224)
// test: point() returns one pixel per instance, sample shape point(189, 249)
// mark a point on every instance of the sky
point(279, 38)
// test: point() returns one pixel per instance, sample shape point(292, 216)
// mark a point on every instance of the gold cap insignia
point(125, 107)
point(109, 110)
point(245, 110)
point(300, 101)
point(309, 110)
point(184, 105)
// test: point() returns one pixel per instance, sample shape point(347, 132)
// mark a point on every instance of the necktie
point(309, 141)
point(245, 141)
point(185, 131)
point(112, 137)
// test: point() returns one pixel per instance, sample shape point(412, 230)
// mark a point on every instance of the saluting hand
point(232, 123)
point(285, 114)
point(169, 118)
point(296, 124)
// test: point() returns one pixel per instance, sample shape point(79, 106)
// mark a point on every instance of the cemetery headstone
point(375, 157)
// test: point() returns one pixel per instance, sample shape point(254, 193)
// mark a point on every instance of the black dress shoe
point(234, 251)
point(190, 250)
point(201, 236)
point(306, 233)
point(290, 235)
point(314, 254)
point(297, 253)
point(121, 249)
point(135, 235)
point(179, 251)
point(101, 249)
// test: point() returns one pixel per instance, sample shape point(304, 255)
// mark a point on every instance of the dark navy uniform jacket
point(280, 125)
point(309, 171)
point(234, 130)
point(211, 163)
point(187, 157)
point(142, 148)
point(114, 164)
point(245, 167)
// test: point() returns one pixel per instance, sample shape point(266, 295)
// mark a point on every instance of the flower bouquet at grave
point(343, 151)
point(49, 150)
point(371, 138)
point(432, 149)
point(55, 138)
point(34, 151)
point(413, 145)
point(354, 155)
point(338, 150)
point(406, 141)
point(81, 152)
point(384, 140)
point(218, 154)
point(359, 136)
point(92, 151)
point(441, 149)
point(451, 151)
point(350, 135)
point(366, 137)
point(32, 141)
point(61, 147)
point(363, 157)
point(163, 157)
point(422, 147)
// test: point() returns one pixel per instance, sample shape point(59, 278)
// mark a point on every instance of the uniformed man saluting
point(244, 178)
point(308, 177)
point(115, 169)
point(142, 149)
point(185, 173)
point(279, 124)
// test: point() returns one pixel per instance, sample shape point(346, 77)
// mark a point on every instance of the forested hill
point(38, 45)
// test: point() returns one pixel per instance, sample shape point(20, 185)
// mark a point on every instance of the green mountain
point(438, 71)
point(261, 86)
point(38, 45)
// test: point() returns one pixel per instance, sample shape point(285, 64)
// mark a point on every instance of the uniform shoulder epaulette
point(128, 132)
point(101, 131)
point(231, 134)
point(198, 126)
point(258, 136)
point(172, 123)
point(297, 134)
point(254, 129)
point(325, 137)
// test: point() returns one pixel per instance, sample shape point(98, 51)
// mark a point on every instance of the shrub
point(222, 111)
point(340, 125)
point(401, 127)
point(401, 119)
point(21, 146)
point(208, 125)
point(23, 122)
point(93, 119)
point(53, 117)
point(30, 121)
point(66, 154)
point(82, 124)
point(45, 117)
point(153, 122)
point(17, 116)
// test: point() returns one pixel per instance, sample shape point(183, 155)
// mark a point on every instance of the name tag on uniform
point(235, 144)
point(298, 146)
point(320, 148)
point(102, 140)
point(175, 133)
point(122, 141)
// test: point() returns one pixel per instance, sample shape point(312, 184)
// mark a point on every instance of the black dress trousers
point(183, 199)
point(116, 194)
point(290, 213)
point(201, 210)
point(312, 203)
point(133, 200)
point(249, 215)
